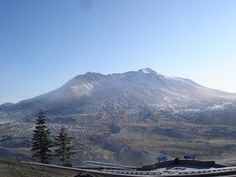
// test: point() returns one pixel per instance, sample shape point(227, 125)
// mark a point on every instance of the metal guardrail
point(184, 173)
point(226, 171)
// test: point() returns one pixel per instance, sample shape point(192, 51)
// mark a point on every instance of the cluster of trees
point(42, 144)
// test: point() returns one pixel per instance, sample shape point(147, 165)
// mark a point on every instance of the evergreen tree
point(64, 150)
point(41, 142)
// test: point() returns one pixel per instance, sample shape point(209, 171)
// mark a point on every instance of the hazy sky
point(44, 43)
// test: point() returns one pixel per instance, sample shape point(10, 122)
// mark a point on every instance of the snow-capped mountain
point(127, 118)
point(124, 95)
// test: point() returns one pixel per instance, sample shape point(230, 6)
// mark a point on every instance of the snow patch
point(82, 89)
point(219, 107)
point(150, 71)
point(147, 71)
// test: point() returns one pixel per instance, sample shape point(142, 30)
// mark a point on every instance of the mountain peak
point(89, 75)
point(153, 72)
point(147, 71)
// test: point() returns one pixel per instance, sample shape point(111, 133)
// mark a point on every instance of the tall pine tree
point(64, 150)
point(41, 141)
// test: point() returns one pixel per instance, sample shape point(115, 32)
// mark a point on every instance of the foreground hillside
point(128, 118)
point(12, 168)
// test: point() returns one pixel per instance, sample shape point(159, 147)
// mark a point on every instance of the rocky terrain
point(128, 118)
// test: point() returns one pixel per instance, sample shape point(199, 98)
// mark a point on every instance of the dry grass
point(12, 168)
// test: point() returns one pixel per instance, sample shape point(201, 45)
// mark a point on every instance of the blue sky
point(45, 43)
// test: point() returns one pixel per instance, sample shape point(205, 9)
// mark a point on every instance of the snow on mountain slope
point(122, 94)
